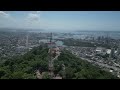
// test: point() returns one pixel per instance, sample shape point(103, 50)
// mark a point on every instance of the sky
point(61, 20)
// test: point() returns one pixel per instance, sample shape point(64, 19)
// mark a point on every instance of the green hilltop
point(25, 66)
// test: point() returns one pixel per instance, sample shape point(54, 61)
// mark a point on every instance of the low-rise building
point(108, 51)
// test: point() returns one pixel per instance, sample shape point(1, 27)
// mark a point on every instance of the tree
point(2, 72)
point(45, 75)
point(80, 69)
point(23, 67)
point(28, 76)
point(69, 72)
point(18, 75)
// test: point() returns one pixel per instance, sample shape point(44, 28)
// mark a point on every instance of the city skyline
point(61, 20)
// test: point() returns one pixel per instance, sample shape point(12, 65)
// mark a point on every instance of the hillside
point(25, 66)
point(80, 69)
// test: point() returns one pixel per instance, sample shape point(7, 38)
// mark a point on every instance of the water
point(83, 34)
point(59, 43)
point(112, 34)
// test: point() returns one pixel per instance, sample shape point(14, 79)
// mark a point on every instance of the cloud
point(38, 11)
point(3, 14)
point(6, 20)
point(32, 20)
point(5, 17)
point(33, 17)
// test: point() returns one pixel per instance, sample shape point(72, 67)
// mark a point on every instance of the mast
point(50, 60)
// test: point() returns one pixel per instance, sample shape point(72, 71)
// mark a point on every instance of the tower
point(50, 65)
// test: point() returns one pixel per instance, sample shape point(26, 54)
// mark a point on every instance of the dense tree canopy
point(80, 69)
point(24, 66)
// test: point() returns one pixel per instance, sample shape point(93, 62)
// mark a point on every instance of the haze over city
point(61, 20)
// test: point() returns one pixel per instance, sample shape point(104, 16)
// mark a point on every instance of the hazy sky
point(61, 20)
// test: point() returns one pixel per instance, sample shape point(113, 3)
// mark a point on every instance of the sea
point(76, 33)
point(83, 34)
point(95, 34)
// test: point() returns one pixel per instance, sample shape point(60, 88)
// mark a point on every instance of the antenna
point(50, 67)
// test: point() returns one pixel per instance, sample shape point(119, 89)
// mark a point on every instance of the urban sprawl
point(103, 51)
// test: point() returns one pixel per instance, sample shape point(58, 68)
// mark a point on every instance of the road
point(102, 64)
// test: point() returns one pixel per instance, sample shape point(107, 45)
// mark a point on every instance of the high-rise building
point(112, 53)
point(118, 50)
point(27, 46)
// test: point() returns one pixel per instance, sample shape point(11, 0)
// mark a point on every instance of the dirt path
point(38, 75)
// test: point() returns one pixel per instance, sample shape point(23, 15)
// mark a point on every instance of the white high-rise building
point(112, 53)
